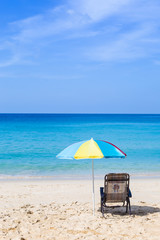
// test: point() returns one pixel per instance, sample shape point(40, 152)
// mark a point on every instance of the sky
point(80, 56)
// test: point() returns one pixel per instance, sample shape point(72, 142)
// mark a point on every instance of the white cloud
point(65, 18)
point(99, 9)
point(121, 29)
point(50, 23)
point(9, 62)
point(128, 46)
point(157, 62)
point(27, 34)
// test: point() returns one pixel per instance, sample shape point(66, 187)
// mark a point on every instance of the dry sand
point(62, 210)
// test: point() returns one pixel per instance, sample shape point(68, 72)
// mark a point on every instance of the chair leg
point(102, 211)
point(129, 206)
point(101, 205)
point(102, 208)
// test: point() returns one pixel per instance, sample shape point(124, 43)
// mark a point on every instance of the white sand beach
point(49, 209)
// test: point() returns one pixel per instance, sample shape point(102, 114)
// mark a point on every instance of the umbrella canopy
point(91, 149)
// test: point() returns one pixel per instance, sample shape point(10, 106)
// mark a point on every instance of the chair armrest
point(102, 192)
point(129, 193)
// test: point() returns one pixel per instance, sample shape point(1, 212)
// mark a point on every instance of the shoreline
point(71, 177)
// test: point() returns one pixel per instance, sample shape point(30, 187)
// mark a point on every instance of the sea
point(29, 144)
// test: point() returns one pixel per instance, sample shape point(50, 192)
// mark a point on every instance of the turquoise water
point(29, 143)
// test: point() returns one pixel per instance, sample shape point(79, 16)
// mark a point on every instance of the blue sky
point(85, 56)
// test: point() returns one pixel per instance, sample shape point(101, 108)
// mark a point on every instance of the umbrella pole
point(93, 195)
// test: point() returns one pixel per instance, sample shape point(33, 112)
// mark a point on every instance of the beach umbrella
point(91, 149)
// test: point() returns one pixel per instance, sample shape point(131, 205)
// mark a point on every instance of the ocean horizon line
point(28, 113)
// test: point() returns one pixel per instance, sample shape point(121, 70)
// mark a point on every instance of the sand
point(62, 210)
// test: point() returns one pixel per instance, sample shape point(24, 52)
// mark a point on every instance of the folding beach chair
point(116, 189)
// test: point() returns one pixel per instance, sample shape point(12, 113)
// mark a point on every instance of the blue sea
point(29, 144)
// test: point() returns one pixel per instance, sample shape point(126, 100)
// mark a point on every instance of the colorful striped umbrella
point(91, 149)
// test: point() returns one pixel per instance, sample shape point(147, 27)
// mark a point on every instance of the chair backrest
point(116, 187)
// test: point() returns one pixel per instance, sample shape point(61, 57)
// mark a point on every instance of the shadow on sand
point(135, 210)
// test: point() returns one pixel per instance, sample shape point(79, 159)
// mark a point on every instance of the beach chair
point(115, 190)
